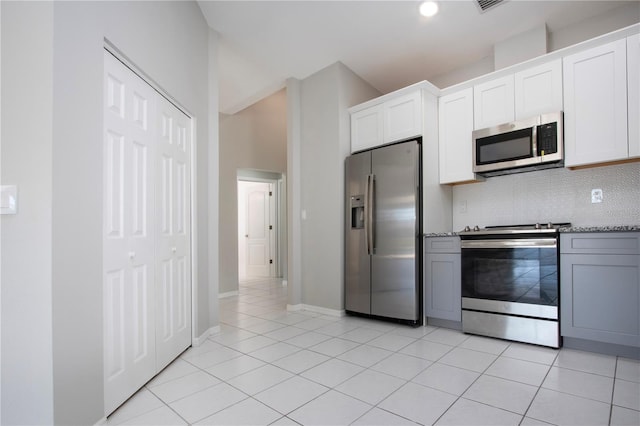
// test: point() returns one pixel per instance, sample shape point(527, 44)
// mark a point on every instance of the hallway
point(271, 366)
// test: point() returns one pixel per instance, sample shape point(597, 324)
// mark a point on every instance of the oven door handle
point(510, 243)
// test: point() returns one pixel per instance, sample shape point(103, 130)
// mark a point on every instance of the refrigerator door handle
point(368, 212)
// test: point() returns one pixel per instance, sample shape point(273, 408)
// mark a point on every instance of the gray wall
point(26, 263)
point(52, 149)
point(254, 138)
point(325, 142)
point(612, 20)
point(557, 195)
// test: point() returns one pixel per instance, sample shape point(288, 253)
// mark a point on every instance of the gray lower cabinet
point(442, 296)
point(600, 287)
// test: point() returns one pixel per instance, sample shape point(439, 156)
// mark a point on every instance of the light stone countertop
point(610, 228)
point(565, 229)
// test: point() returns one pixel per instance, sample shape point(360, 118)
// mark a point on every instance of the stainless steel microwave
point(524, 145)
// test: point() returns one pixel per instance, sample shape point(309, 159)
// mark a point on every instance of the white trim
point(102, 421)
point(294, 308)
point(317, 309)
point(194, 235)
point(227, 294)
point(197, 341)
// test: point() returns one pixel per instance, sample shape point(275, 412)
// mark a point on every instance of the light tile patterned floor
point(268, 366)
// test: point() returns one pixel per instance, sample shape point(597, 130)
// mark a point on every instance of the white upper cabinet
point(402, 117)
point(493, 102)
point(633, 95)
point(538, 90)
point(455, 124)
point(366, 128)
point(389, 121)
point(595, 100)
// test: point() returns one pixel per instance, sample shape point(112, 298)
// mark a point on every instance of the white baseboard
point(317, 309)
point(227, 294)
point(197, 341)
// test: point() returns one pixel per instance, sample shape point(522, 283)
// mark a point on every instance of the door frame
point(277, 246)
point(112, 49)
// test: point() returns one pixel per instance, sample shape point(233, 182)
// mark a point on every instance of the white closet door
point(128, 251)
point(173, 264)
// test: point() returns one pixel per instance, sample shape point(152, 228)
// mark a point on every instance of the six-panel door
point(146, 228)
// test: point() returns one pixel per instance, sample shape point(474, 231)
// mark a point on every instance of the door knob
point(173, 249)
point(132, 254)
point(246, 235)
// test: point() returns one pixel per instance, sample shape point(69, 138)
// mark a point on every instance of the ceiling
point(387, 43)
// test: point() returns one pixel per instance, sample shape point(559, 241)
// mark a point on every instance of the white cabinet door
point(366, 128)
point(128, 236)
point(493, 102)
point(455, 124)
point(402, 117)
point(173, 251)
point(595, 100)
point(633, 93)
point(538, 90)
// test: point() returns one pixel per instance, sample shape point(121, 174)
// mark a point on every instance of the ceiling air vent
point(488, 4)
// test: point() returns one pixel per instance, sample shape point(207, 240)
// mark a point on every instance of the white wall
point(254, 138)
point(556, 195)
point(52, 250)
point(325, 142)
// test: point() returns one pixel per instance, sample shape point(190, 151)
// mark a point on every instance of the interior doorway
point(260, 239)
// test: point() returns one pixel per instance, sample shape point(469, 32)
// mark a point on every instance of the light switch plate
point(8, 199)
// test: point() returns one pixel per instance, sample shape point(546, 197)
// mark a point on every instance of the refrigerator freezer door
point(358, 262)
point(394, 281)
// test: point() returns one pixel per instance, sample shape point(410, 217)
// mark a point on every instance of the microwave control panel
point(547, 139)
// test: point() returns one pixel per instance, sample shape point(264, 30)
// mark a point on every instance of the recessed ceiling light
point(428, 8)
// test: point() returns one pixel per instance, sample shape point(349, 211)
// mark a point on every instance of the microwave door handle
point(534, 141)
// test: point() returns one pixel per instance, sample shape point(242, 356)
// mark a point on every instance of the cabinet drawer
point(442, 245)
point(601, 243)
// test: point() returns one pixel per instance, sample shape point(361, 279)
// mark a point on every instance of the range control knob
point(549, 225)
point(537, 226)
point(467, 229)
point(476, 228)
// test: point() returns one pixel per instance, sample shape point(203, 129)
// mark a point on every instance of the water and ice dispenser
point(357, 211)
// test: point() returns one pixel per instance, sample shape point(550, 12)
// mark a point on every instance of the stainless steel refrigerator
point(383, 268)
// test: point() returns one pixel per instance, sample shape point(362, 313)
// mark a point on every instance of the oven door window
point(522, 275)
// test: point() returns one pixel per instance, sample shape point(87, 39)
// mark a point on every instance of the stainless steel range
point(510, 282)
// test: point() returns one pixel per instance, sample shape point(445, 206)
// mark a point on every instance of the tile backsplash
point(556, 195)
